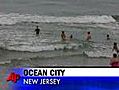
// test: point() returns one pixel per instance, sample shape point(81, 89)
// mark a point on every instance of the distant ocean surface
point(60, 7)
point(20, 45)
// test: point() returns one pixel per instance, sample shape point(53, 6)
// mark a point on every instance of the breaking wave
point(100, 50)
point(5, 62)
point(38, 48)
point(13, 18)
point(98, 54)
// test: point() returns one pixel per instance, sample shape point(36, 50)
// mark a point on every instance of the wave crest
point(30, 48)
point(13, 18)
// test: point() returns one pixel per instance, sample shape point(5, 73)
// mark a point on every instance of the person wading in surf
point(114, 62)
point(71, 37)
point(37, 30)
point(115, 47)
point(63, 36)
point(108, 38)
point(88, 36)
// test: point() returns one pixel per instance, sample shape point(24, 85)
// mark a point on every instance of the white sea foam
point(14, 18)
point(100, 50)
point(43, 48)
point(24, 42)
point(108, 26)
point(98, 54)
point(5, 62)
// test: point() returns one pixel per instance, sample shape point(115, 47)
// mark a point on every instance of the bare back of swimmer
point(63, 36)
point(88, 36)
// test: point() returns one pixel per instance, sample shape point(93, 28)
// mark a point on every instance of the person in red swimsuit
point(114, 61)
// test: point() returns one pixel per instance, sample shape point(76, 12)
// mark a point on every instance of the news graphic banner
point(63, 79)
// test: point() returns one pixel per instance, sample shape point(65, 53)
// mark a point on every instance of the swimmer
point(114, 62)
point(37, 30)
point(63, 36)
point(71, 37)
point(88, 36)
point(108, 38)
point(115, 47)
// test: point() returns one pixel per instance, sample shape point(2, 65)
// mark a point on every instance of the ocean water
point(20, 46)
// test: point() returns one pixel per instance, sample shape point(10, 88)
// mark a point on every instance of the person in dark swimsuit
point(37, 30)
point(108, 37)
point(71, 37)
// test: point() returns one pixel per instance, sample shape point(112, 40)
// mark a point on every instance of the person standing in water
point(108, 37)
point(63, 36)
point(114, 62)
point(37, 30)
point(88, 36)
point(71, 37)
